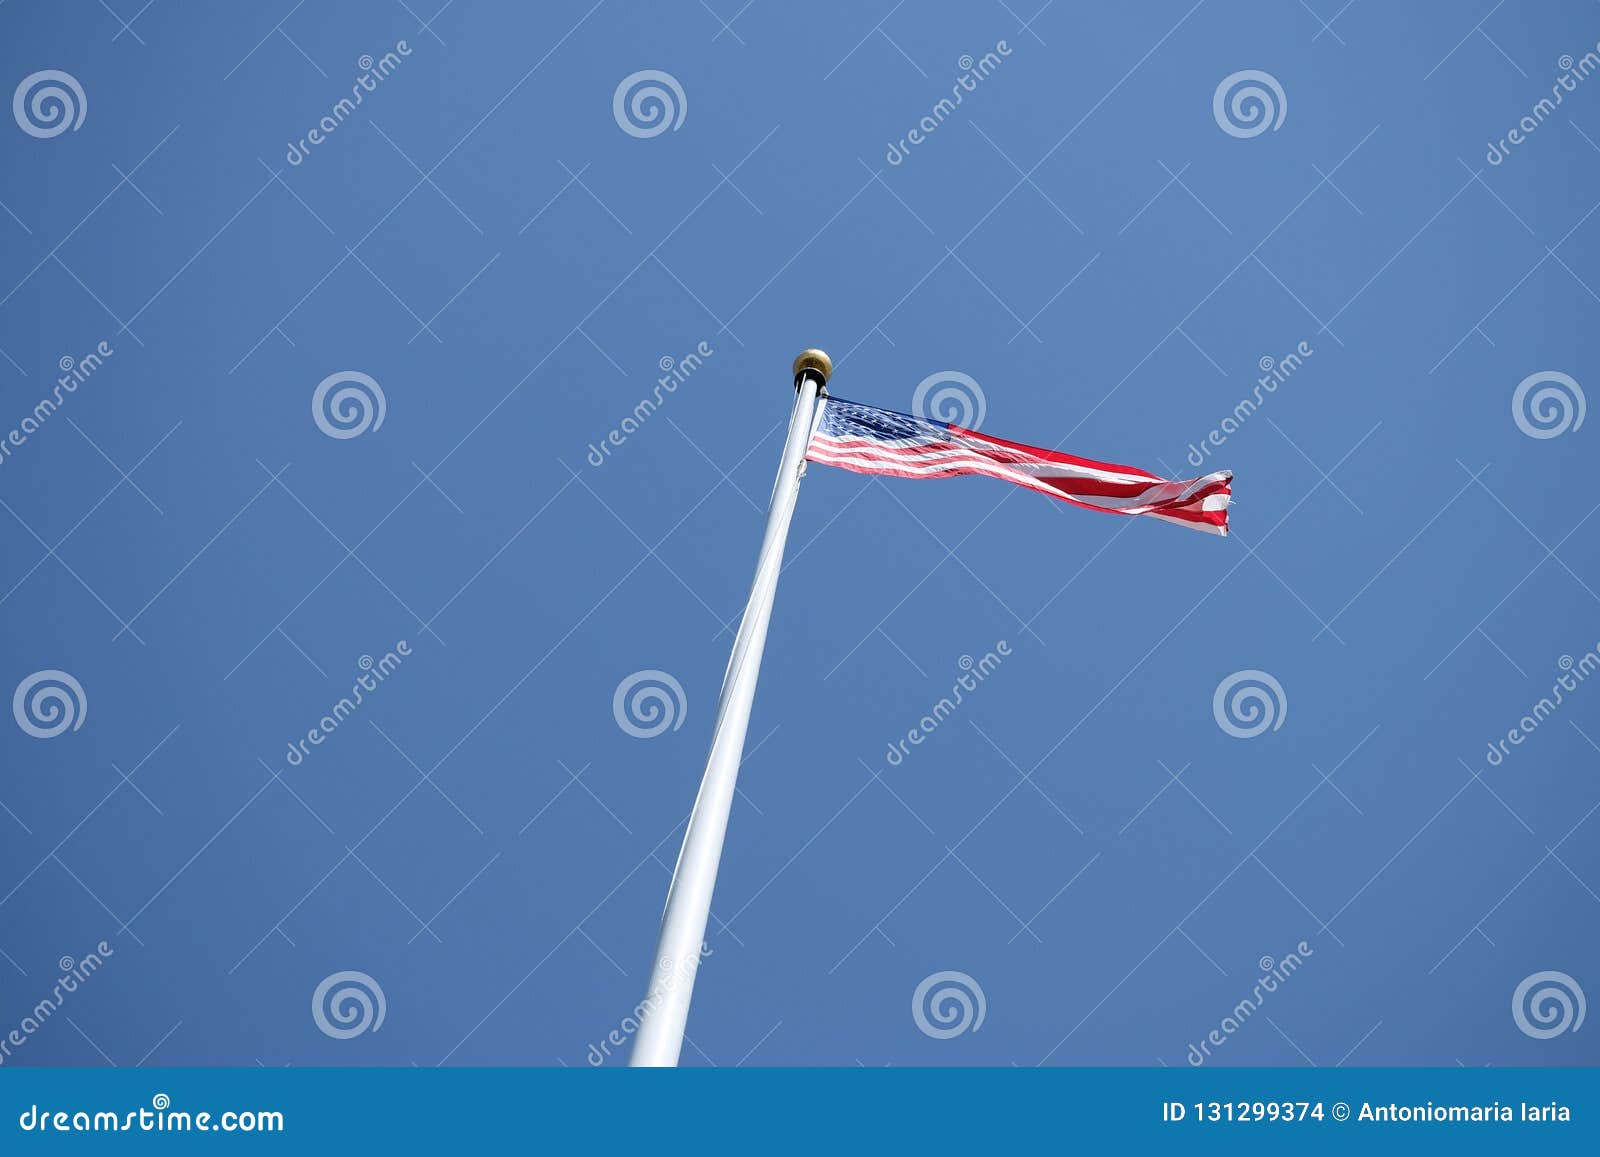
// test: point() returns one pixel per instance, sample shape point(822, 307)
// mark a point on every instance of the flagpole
point(665, 1008)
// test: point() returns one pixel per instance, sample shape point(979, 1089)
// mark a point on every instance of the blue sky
point(1082, 237)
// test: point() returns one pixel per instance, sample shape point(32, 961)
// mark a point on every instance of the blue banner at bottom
point(772, 1110)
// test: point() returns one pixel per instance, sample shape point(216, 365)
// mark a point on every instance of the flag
point(873, 441)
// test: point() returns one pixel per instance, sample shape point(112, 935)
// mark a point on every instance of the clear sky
point(510, 261)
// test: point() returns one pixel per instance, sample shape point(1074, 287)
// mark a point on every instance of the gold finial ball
point(814, 360)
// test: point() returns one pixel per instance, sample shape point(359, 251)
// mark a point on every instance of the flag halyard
point(869, 440)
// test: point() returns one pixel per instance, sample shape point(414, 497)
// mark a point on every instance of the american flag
point(873, 441)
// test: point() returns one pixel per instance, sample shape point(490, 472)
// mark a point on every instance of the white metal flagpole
point(665, 1008)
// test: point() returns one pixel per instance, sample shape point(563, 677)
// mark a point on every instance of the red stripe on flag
point(1056, 455)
